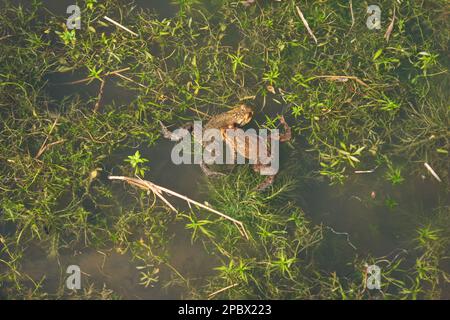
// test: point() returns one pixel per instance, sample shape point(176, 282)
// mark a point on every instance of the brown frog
point(237, 117)
point(233, 120)
point(247, 145)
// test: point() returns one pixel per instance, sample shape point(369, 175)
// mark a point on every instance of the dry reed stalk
point(305, 23)
point(158, 191)
point(120, 26)
point(433, 173)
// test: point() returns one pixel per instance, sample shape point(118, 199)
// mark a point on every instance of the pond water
point(355, 214)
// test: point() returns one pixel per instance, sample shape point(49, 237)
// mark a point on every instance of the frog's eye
point(245, 108)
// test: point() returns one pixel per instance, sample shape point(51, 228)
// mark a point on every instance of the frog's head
point(243, 114)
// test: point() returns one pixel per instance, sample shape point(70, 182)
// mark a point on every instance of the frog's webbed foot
point(287, 135)
point(208, 172)
point(175, 136)
point(266, 183)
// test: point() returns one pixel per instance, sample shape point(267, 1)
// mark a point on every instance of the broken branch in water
point(353, 16)
point(158, 191)
point(44, 145)
point(120, 26)
point(47, 146)
point(5, 37)
point(364, 171)
point(222, 290)
point(390, 28)
point(305, 23)
point(129, 79)
point(100, 95)
point(433, 173)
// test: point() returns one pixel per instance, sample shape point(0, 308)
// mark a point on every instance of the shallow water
point(356, 208)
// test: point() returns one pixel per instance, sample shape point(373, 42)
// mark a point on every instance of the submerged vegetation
point(367, 111)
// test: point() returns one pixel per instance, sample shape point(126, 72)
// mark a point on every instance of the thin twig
point(305, 23)
point(44, 144)
point(198, 112)
point(48, 146)
point(353, 16)
point(129, 79)
point(222, 290)
point(100, 95)
point(157, 190)
point(120, 26)
point(363, 171)
point(433, 173)
point(5, 37)
point(111, 73)
point(390, 27)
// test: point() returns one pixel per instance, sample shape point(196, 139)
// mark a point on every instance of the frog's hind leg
point(287, 135)
point(266, 183)
point(208, 172)
point(173, 136)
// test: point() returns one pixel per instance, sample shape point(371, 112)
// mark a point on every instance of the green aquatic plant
point(234, 271)
point(349, 153)
point(90, 4)
point(426, 235)
point(94, 73)
point(388, 104)
point(425, 61)
point(198, 226)
point(394, 175)
point(136, 162)
point(67, 36)
point(237, 61)
point(390, 203)
point(272, 74)
point(333, 172)
point(355, 100)
point(283, 264)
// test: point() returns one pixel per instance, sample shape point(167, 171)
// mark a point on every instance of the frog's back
point(219, 121)
point(246, 144)
point(240, 116)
